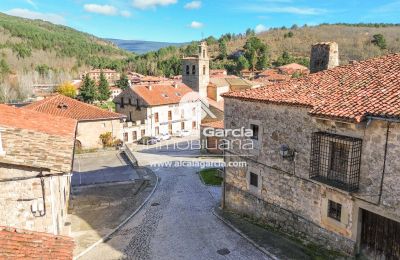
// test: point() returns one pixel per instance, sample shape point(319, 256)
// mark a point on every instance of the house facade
point(111, 75)
point(92, 121)
point(36, 158)
point(157, 109)
point(323, 164)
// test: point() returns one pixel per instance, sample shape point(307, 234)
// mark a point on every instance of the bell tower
point(196, 70)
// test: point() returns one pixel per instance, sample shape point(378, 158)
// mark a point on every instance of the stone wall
point(88, 133)
point(19, 197)
point(286, 183)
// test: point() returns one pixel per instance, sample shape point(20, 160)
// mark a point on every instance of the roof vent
point(175, 84)
point(178, 94)
point(62, 106)
point(164, 95)
point(150, 87)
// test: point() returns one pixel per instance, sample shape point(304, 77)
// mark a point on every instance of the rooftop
point(60, 105)
point(162, 94)
point(36, 121)
point(214, 124)
point(349, 92)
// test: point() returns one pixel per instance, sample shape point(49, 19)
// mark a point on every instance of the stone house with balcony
point(36, 158)
point(92, 121)
point(324, 165)
point(157, 109)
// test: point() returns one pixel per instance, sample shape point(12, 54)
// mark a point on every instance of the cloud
point(260, 28)
point(125, 13)
point(25, 13)
point(101, 9)
point(284, 9)
point(193, 5)
point(31, 3)
point(147, 4)
point(196, 25)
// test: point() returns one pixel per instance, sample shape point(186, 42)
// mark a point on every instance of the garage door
point(380, 237)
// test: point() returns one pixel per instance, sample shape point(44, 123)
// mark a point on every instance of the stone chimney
point(324, 55)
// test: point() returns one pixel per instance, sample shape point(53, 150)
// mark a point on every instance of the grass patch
point(211, 177)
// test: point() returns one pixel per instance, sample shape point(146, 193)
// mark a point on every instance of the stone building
point(196, 71)
point(111, 75)
point(36, 157)
point(324, 160)
point(211, 144)
point(92, 121)
point(157, 109)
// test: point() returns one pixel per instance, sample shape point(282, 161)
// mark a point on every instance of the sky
point(187, 20)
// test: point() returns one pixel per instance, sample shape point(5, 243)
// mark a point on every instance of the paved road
point(102, 168)
point(177, 223)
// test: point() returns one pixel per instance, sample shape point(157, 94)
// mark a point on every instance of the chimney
point(175, 84)
point(150, 87)
point(324, 55)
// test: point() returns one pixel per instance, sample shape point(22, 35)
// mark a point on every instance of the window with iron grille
point(253, 179)
point(334, 210)
point(254, 128)
point(335, 160)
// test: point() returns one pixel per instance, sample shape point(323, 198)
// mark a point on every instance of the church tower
point(196, 70)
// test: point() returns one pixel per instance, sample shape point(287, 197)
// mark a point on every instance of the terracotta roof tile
point(24, 244)
point(60, 105)
point(214, 124)
point(36, 121)
point(162, 94)
point(350, 92)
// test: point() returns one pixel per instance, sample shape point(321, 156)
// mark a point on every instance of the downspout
point(384, 163)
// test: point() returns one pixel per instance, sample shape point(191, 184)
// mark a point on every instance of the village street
point(177, 222)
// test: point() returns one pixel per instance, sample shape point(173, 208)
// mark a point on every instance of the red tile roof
point(162, 94)
point(23, 244)
point(293, 68)
point(350, 92)
point(214, 124)
point(60, 105)
point(40, 122)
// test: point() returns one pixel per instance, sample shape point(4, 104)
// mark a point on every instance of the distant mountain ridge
point(141, 47)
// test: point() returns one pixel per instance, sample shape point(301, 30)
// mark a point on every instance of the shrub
point(107, 139)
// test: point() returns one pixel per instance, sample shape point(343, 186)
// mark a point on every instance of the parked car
point(146, 140)
point(165, 136)
point(182, 133)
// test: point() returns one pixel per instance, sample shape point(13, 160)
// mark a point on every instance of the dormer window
point(2, 152)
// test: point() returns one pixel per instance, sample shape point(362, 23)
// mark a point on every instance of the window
point(182, 113)
point(204, 70)
point(170, 128)
point(134, 135)
point(194, 111)
point(169, 115)
point(334, 210)
point(130, 101)
point(194, 125)
point(156, 117)
point(183, 125)
point(122, 102)
point(143, 132)
point(126, 137)
point(254, 128)
point(335, 160)
point(157, 130)
point(253, 179)
point(187, 70)
point(194, 69)
point(204, 53)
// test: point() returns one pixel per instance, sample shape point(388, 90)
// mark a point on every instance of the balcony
point(335, 160)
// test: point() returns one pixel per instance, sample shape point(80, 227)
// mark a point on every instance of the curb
point(104, 238)
point(251, 241)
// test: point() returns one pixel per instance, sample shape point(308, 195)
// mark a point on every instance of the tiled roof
point(218, 105)
point(23, 244)
point(162, 94)
point(350, 92)
point(214, 124)
point(36, 121)
point(293, 66)
point(60, 105)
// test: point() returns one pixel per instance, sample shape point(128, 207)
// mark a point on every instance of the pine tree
point(88, 91)
point(123, 82)
point(242, 64)
point(223, 49)
point(103, 88)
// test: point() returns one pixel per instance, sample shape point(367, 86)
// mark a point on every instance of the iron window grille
point(254, 129)
point(334, 210)
point(253, 179)
point(335, 160)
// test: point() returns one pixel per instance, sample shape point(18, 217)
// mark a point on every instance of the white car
point(165, 136)
point(182, 133)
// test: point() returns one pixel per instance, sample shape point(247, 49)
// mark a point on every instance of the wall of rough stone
point(18, 196)
point(286, 183)
point(88, 133)
point(26, 147)
point(324, 55)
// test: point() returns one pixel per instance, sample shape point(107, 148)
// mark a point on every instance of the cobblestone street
point(177, 222)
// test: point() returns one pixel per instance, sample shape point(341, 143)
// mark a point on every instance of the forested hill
point(279, 46)
point(27, 45)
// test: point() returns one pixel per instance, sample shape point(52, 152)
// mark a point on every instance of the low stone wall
point(247, 204)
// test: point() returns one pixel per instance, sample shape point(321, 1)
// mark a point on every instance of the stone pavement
point(98, 209)
point(177, 222)
point(279, 245)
